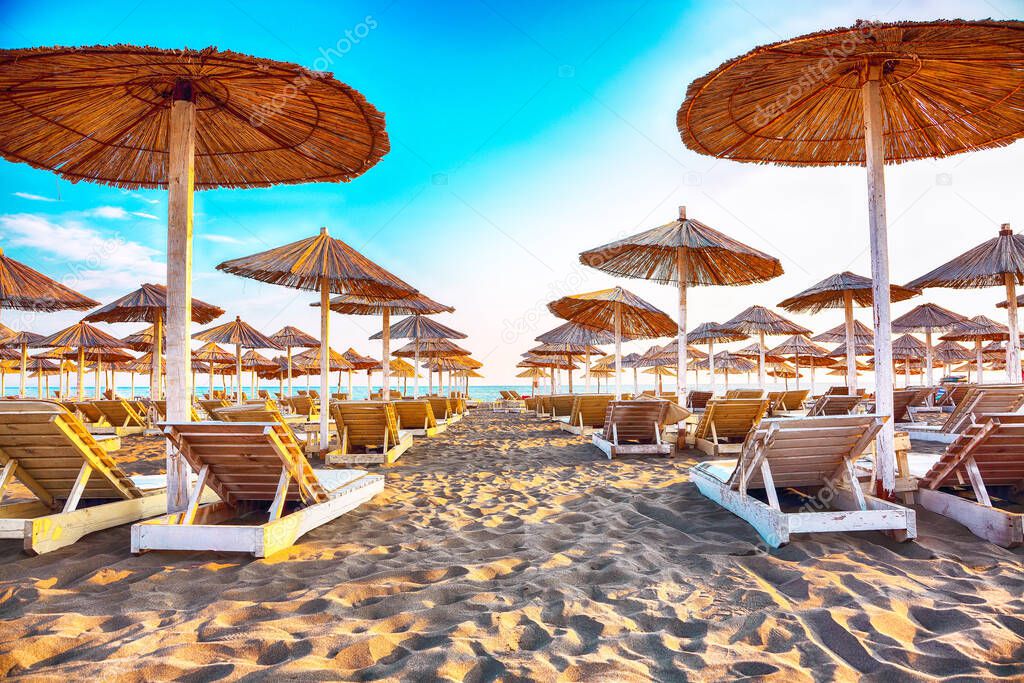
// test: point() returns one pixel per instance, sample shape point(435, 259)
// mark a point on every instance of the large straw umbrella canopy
point(688, 253)
point(255, 362)
point(907, 348)
point(762, 322)
point(616, 310)
point(978, 329)
point(146, 117)
point(289, 338)
point(802, 351)
point(573, 333)
point(415, 305)
point(711, 333)
point(417, 327)
point(862, 334)
point(214, 358)
point(927, 318)
point(726, 363)
point(328, 265)
point(22, 341)
point(998, 262)
point(568, 351)
point(143, 340)
point(842, 290)
point(88, 341)
point(148, 304)
point(241, 335)
point(865, 95)
point(360, 362)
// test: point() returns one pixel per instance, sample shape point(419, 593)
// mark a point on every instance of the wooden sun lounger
point(531, 403)
point(726, 423)
point(160, 409)
point(698, 400)
point(744, 393)
point(901, 405)
point(988, 453)
point(587, 414)
point(443, 410)
point(417, 417)
point(211, 404)
point(122, 417)
point(305, 406)
point(977, 401)
point(368, 432)
point(251, 465)
point(91, 415)
point(633, 428)
point(834, 404)
point(543, 405)
point(72, 474)
point(793, 399)
point(561, 405)
point(803, 452)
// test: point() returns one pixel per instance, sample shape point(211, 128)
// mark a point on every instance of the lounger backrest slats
point(441, 406)
point(983, 400)
point(995, 442)
point(50, 446)
point(590, 410)
point(89, 411)
point(744, 393)
point(837, 391)
point(731, 418)
point(804, 451)
point(366, 422)
point(901, 403)
point(120, 413)
point(561, 404)
point(246, 459)
point(794, 399)
point(302, 405)
point(634, 421)
point(418, 414)
point(698, 400)
point(834, 404)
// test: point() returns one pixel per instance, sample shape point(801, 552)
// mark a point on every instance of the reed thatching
point(983, 266)
point(289, 337)
point(143, 339)
point(947, 87)
point(25, 289)
point(420, 327)
point(753, 351)
point(211, 353)
point(565, 350)
point(81, 335)
point(417, 304)
point(253, 360)
point(949, 351)
point(101, 354)
point(305, 264)
point(862, 334)
point(5, 332)
point(573, 333)
point(101, 114)
point(908, 347)
point(927, 317)
point(660, 371)
point(639, 319)
point(359, 361)
point(858, 350)
point(453, 363)
point(310, 360)
point(782, 371)
point(239, 333)
point(711, 258)
point(999, 304)
point(726, 362)
point(978, 328)
point(712, 333)
point(430, 348)
point(671, 351)
point(831, 293)
point(534, 373)
point(798, 345)
point(141, 306)
point(401, 368)
point(555, 362)
point(143, 365)
point(8, 353)
point(23, 338)
point(757, 319)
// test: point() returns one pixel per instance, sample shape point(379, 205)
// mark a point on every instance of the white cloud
point(97, 261)
point(34, 197)
point(141, 214)
point(136, 195)
point(220, 239)
point(115, 212)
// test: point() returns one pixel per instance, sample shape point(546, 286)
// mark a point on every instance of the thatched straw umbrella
point(867, 94)
point(311, 364)
point(783, 371)
point(727, 363)
point(328, 265)
point(143, 365)
point(243, 336)
point(212, 356)
point(998, 262)
point(797, 347)
point(763, 322)
point(87, 341)
point(927, 318)
point(862, 334)
point(711, 333)
point(41, 368)
point(289, 338)
point(182, 119)
point(5, 332)
point(572, 333)
point(567, 351)
point(143, 340)
point(419, 327)
point(360, 362)
point(755, 351)
point(551, 363)
point(148, 304)
point(402, 369)
point(452, 364)
point(978, 329)
point(660, 371)
point(600, 372)
point(431, 348)
point(254, 362)
point(688, 253)
point(59, 353)
point(22, 341)
point(908, 348)
point(842, 290)
point(415, 305)
point(618, 311)
point(533, 374)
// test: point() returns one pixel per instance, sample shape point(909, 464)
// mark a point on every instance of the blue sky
point(522, 133)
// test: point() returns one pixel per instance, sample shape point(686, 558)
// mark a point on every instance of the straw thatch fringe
point(237, 332)
point(640, 319)
point(140, 305)
point(830, 293)
point(420, 327)
point(760, 319)
point(26, 289)
point(418, 304)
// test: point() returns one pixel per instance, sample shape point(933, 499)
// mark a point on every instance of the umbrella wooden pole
point(288, 352)
point(385, 364)
point(350, 396)
point(131, 376)
point(569, 370)
point(24, 369)
point(1013, 344)
point(636, 382)
point(96, 380)
point(238, 374)
point(158, 350)
point(180, 186)
point(929, 363)
point(851, 347)
point(711, 366)
point(683, 275)
point(552, 380)
point(871, 91)
point(812, 378)
point(979, 358)
point(325, 360)
point(761, 378)
point(796, 362)
point(39, 383)
point(81, 374)
point(617, 322)
point(211, 379)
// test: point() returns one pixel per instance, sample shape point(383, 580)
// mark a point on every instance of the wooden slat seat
point(561, 405)
point(417, 416)
point(634, 428)
point(817, 453)
point(122, 416)
point(834, 404)
point(726, 422)
point(368, 432)
point(587, 414)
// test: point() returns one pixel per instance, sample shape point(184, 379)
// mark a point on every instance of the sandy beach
point(505, 549)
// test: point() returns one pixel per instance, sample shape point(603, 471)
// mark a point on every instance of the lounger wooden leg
point(189, 515)
point(977, 482)
point(277, 506)
point(6, 474)
point(769, 485)
point(76, 491)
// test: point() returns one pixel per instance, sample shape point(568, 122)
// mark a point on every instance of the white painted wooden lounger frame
point(857, 511)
